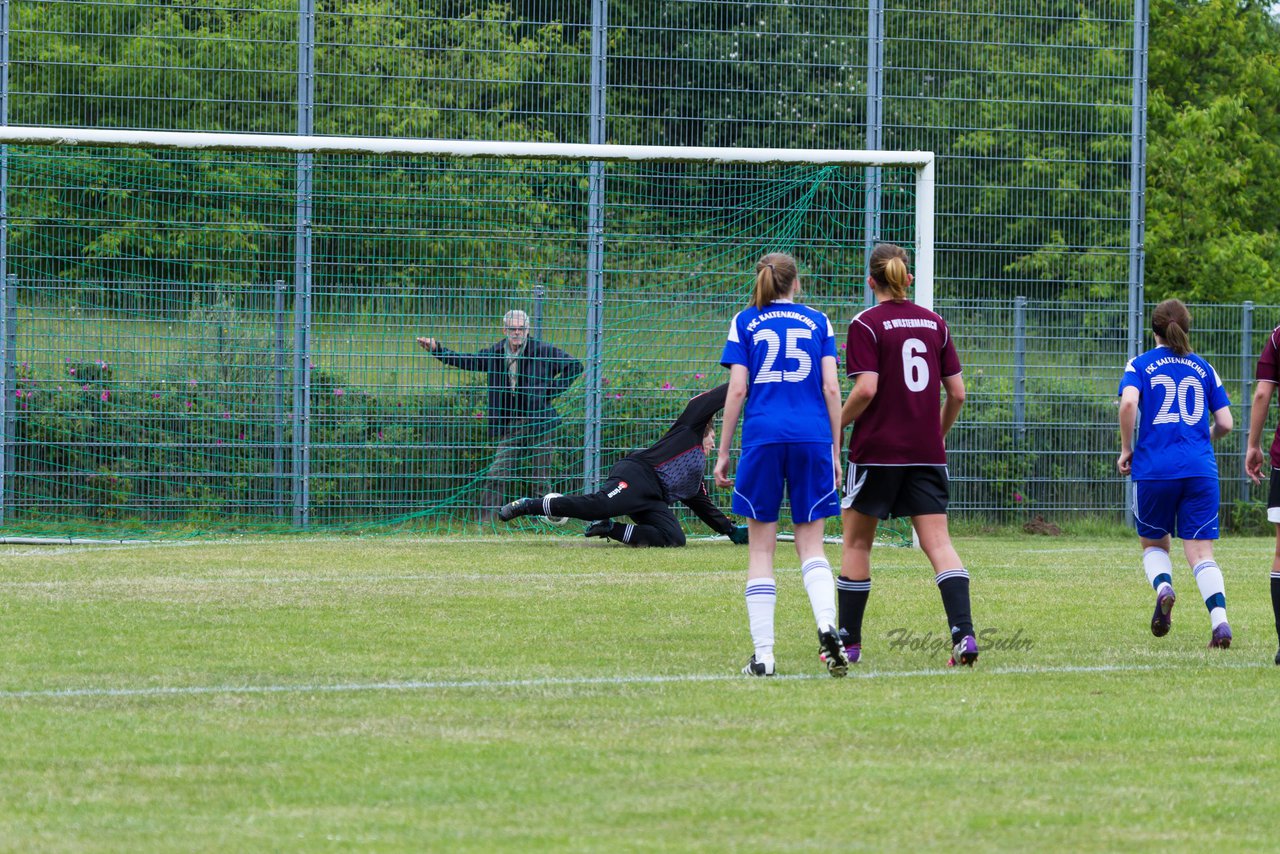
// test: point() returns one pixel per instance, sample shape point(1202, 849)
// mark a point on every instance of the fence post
point(277, 411)
point(593, 402)
point(1246, 391)
point(1020, 368)
point(6, 392)
point(1137, 178)
point(875, 132)
point(8, 283)
point(302, 270)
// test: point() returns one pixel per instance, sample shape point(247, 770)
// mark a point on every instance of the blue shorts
point(1186, 505)
point(807, 470)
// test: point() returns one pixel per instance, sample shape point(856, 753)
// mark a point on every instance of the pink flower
point(106, 395)
point(618, 396)
point(219, 442)
point(188, 404)
point(84, 388)
point(20, 394)
point(604, 382)
point(226, 415)
point(1017, 497)
point(337, 392)
point(71, 371)
point(699, 376)
point(667, 386)
point(191, 382)
point(241, 434)
point(155, 395)
point(379, 434)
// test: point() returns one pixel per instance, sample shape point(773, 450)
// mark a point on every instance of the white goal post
point(922, 161)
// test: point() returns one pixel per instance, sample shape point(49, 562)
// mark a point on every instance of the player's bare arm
point(954, 388)
point(1128, 418)
point(1253, 457)
point(865, 386)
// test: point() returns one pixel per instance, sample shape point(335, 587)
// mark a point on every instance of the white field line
point(575, 682)
point(169, 581)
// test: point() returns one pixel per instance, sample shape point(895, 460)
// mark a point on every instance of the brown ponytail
point(888, 266)
point(775, 275)
point(1172, 322)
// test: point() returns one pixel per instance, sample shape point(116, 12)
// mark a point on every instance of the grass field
point(539, 694)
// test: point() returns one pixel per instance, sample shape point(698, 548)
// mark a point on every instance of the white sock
point(1159, 568)
point(762, 596)
point(821, 587)
point(1209, 577)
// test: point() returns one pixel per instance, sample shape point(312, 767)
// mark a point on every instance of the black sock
point(853, 604)
point(1275, 599)
point(953, 584)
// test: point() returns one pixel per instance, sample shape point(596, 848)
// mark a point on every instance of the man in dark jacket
point(645, 483)
point(524, 376)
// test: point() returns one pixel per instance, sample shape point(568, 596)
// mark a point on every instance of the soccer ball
point(558, 521)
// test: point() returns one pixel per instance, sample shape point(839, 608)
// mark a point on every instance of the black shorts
point(886, 491)
point(1273, 498)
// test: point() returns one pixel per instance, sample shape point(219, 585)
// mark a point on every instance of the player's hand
point(429, 344)
point(1124, 463)
point(740, 535)
point(722, 471)
point(1253, 464)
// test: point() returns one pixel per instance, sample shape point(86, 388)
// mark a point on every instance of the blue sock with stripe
point(1209, 578)
point(1159, 568)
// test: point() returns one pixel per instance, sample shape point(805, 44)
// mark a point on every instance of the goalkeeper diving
point(644, 484)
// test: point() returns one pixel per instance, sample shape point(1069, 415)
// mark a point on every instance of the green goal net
point(214, 339)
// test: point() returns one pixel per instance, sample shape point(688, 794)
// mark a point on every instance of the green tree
point(1213, 180)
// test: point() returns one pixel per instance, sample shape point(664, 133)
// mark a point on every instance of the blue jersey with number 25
point(1177, 396)
point(782, 346)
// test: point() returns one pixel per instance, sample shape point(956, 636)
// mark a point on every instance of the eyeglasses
point(517, 329)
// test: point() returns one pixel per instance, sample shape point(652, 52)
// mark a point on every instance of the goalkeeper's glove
point(739, 535)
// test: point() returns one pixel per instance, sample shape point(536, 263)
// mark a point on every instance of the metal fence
point(1036, 111)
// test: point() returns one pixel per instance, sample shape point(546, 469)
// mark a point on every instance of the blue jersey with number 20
point(782, 347)
point(1177, 396)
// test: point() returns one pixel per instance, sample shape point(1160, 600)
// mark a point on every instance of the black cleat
point(599, 529)
point(833, 652)
point(519, 507)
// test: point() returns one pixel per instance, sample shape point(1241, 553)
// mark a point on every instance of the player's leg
point(810, 475)
point(868, 494)
point(924, 495)
point(1273, 515)
point(953, 584)
point(628, 487)
point(757, 495)
point(1154, 511)
point(654, 526)
point(1198, 528)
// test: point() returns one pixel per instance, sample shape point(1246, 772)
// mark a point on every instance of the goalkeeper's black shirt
point(677, 458)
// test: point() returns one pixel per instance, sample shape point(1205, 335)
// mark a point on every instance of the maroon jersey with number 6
point(910, 348)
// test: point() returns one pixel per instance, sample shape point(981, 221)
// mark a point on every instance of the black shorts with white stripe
point(901, 491)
